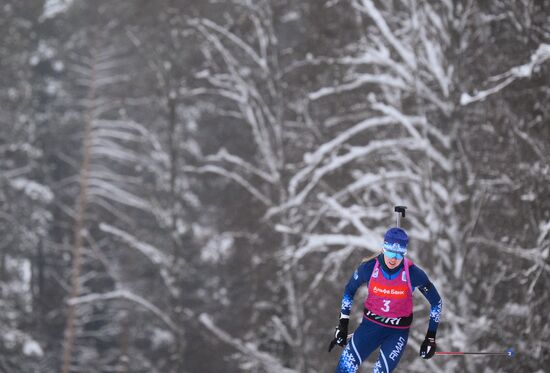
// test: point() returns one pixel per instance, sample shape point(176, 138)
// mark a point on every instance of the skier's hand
point(427, 350)
point(340, 335)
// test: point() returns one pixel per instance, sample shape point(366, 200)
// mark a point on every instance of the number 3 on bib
point(386, 307)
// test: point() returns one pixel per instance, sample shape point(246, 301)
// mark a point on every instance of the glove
point(340, 335)
point(427, 350)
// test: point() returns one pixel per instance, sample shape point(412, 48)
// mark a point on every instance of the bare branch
point(233, 176)
point(126, 294)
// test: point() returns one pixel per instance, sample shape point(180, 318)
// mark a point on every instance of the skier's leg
point(391, 350)
point(349, 361)
point(365, 340)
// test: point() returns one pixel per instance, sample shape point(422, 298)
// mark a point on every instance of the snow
point(515, 309)
point(54, 7)
point(161, 338)
point(523, 71)
point(34, 190)
point(32, 348)
point(52, 87)
point(290, 16)
point(13, 338)
point(359, 81)
point(406, 54)
point(34, 60)
point(43, 52)
point(58, 66)
point(529, 196)
point(113, 193)
point(9, 339)
point(217, 249)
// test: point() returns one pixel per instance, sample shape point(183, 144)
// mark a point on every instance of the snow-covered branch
point(249, 351)
point(254, 116)
point(232, 176)
point(331, 262)
point(282, 328)
point(230, 95)
point(107, 190)
point(368, 180)
point(410, 121)
point(406, 54)
point(104, 174)
point(345, 213)
point(535, 255)
point(127, 125)
point(116, 134)
point(523, 71)
point(127, 295)
point(355, 153)
point(162, 261)
point(224, 155)
point(234, 39)
point(239, 87)
point(313, 159)
point(32, 189)
point(111, 150)
point(435, 64)
point(370, 241)
point(357, 82)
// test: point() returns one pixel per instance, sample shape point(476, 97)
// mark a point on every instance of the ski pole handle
point(400, 210)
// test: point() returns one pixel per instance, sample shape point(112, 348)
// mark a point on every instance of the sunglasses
point(394, 255)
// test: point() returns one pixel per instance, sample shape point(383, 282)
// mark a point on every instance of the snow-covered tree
point(240, 80)
point(182, 177)
point(24, 197)
point(104, 147)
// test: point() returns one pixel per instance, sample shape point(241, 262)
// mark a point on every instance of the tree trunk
point(79, 227)
point(124, 345)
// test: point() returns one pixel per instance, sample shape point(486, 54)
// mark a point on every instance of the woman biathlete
point(388, 312)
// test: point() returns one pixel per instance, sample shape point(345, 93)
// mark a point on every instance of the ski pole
point(509, 352)
point(400, 210)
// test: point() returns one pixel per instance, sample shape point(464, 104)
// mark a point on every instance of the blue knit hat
point(396, 240)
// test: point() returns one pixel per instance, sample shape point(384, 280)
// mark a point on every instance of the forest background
point(186, 186)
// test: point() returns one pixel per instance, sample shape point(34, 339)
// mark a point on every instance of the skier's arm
point(427, 288)
point(360, 276)
point(420, 279)
point(431, 294)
